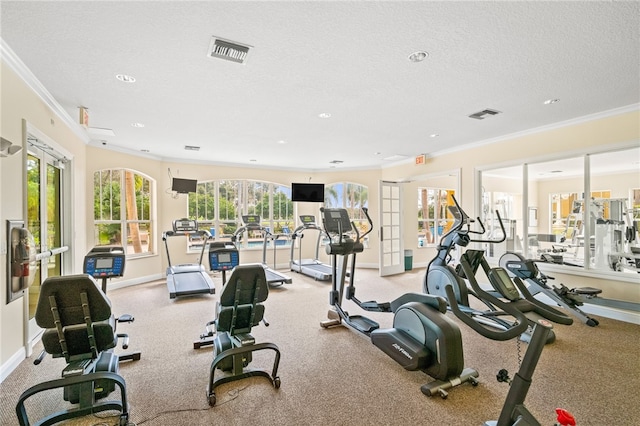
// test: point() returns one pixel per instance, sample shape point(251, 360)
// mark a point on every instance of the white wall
point(19, 102)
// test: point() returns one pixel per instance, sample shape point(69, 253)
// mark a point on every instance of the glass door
point(44, 221)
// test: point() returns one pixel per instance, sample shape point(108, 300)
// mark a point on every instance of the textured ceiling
point(349, 59)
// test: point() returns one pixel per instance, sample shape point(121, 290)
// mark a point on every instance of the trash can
point(408, 260)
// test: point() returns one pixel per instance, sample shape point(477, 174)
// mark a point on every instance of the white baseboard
point(135, 281)
point(13, 362)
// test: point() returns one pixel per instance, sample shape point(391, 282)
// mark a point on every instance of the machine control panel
point(336, 221)
point(105, 262)
point(308, 219)
point(223, 256)
point(185, 225)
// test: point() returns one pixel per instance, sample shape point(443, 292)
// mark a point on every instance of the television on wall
point(307, 192)
point(184, 186)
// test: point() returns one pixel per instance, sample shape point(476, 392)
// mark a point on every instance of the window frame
point(247, 196)
point(126, 230)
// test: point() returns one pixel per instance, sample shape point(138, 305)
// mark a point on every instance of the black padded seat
point(68, 298)
point(238, 310)
point(240, 306)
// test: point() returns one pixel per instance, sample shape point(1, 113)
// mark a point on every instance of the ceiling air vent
point(191, 148)
point(228, 50)
point(481, 115)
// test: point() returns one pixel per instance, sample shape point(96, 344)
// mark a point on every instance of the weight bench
point(238, 310)
point(80, 327)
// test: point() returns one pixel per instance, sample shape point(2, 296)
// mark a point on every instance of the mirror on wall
point(548, 217)
point(502, 199)
point(614, 176)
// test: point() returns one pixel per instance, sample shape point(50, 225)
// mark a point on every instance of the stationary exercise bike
point(422, 337)
point(79, 327)
point(514, 412)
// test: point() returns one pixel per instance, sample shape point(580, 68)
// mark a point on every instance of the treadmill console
point(223, 256)
point(308, 219)
point(185, 225)
point(252, 221)
point(105, 262)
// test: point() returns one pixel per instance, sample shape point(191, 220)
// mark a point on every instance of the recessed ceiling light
point(144, 150)
point(418, 56)
point(377, 153)
point(434, 135)
point(282, 142)
point(191, 148)
point(551, 101)
point(137, 124)
point(126, 78)
point(324, 115)
point(253, 160)
point(336, 162)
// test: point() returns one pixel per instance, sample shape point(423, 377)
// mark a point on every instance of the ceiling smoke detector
point(481, 115)
point(228, 50)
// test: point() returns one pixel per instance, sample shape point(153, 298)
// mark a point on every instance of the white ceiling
point(349, 59)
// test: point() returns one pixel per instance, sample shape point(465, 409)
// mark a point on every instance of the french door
point(391, 245)
point(45, 177)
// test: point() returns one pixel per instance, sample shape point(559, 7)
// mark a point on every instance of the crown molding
point(9, 57)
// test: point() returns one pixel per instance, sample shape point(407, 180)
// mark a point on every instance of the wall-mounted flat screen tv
point(184, 186)
point(307, 192)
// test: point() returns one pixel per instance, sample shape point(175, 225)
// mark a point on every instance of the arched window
point(122, 210)
point(351, 196)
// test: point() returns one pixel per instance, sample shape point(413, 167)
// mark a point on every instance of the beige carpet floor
point(336, 376)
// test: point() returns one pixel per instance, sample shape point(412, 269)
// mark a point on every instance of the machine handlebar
point(486, 331)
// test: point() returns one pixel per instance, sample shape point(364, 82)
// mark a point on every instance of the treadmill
point(191, 278)
point(310, 267)
point(252, 222)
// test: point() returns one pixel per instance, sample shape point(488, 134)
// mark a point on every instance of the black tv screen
point(307, 192)
point(183, 186)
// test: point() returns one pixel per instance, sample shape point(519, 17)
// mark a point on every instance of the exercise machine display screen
point(251, 219)
point(105, 262)
point(337, 220)
point(185, 225)
point(223, 256)
point(307, 219)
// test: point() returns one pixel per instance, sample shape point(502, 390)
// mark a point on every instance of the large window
point(547, 216)
point(123, 210)
point(351, 196)
point(233, 198)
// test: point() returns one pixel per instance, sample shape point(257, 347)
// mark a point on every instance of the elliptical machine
point(441, 274)
point(422, 337)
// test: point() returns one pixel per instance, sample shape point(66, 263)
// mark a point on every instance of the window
point(233, 198)
point(434, 218)
point(351, 196)
point(122, 210)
